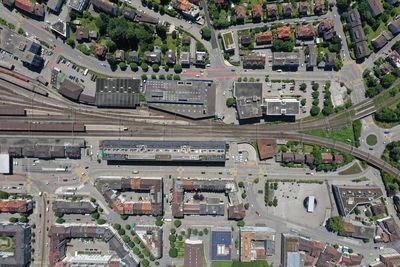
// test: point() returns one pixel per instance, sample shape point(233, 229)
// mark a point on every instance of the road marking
point(180, 170)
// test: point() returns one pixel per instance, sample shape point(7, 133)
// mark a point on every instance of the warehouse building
point(28, 51)
point(190, 98)
point(248, 98)
point(117, 93)
point(166, 152)
point(19, 235)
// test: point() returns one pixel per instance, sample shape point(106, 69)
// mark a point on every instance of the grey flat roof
point(21, 234)
point(129, 150)
point(288, 107)
point(248, 98)
point(189, 98)
point(117, 92)
point(285, 59)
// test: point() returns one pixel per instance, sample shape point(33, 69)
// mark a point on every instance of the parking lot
point(291, 197)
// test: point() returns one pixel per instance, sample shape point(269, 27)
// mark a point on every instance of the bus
point(85, 72)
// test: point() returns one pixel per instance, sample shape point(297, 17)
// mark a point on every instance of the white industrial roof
point(4, 163)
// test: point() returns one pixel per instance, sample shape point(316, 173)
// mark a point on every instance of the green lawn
point(371, 34)
point(171, 43)
point(180, 246)
point(354, 169)
point(371, 140)
point(88, 24)
point(343, 135)
point(221, 264)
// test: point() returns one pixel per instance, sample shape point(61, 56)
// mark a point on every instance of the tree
point(155, 67)
point(95, 215)
point(314, 111)
point(121, 232)
point(246, 206)
point(172, 238)
point(70, 42)
point(4, 195)
point(335, 224)
point(122, 65)
point(144, 77)
point(144, 67)
point(388, 80)
point(303, 102)
point(116, 226)
point(178, 68)
point(205, 230)
point(177, 223)
point(134, 67)
point(173, 252)
point(144, 263)
point(240, 223)
point(60, 220)
point(101, 221)
point(177, 77)
point(124, 217)
point(159, 221)
point(315, 86)
point(13, 220)
point(279, 45)
point(230, 102)
point(23, 219)
point(206, 33)
point(303, 87)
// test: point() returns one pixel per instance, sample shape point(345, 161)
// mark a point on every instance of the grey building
point(248, 98)
point(394, 26)
point(121, 93)
point(163, 151)
point(170, 57)
point(191, 98)
point(312, 57)
point(129, 13)
point(105, 6)
point(185, 59)
point(78, 5)
point(25, 49)
point(152, 57)
point(73, 207)
point(285, 60)
point(55, 5)
point(21, 244)
point(286, 107)
point(354, 18)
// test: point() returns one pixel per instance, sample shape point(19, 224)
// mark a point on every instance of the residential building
point(357, 34)
point(118, 92)
point(143, 17)
point(312, 56)
point(394, 59)
point(240, 12)
point(185, 59)
point(81, 35)
point(245, 40)
point(129, 13)
point(120, 55)
point(93, 35)
point(55, 5)
point(151, 236)
point(133, 57)
point(285, 60)
point(191, 98)
point(267, 148)
point(9, 3)
point(78, 5)
point(257, 11)
point(264, 38)
point(221, 244)
point(73, 207)
point(394, 26)
point(272, 11)
point(100, 50)
point(189, 10)
point(327, 29)
point(60, 28)
point(194, 253)
point(195, 152)
point(256, 243)
point(201, 205)
point(284, 32)
point(305, 32)
point(354, 18)
point(330, 60)
point(282, 107)
point(287, 10)
point(254, 61)
point(319, 6)
point(19, 235)
point(152, 57)
point(170, 57)
point(381, 40)
point(16, 206)
point(30, 8)
point(376, 7)
point(228, 41)
point(201, 58)
point(59, 236)
point(248, 98)
point(349, 197)
point(114, 188)
point(105, 6)
point(362, 50)
point(303, 8)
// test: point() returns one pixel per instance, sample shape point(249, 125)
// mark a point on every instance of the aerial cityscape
point(199, 133)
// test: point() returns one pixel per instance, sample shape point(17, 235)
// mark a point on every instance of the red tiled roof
point(264, 37)
point(240, 11)
point(283, 32)
point(266, 147)
point(257, 11)
point(25, 5)
point(305, 31)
